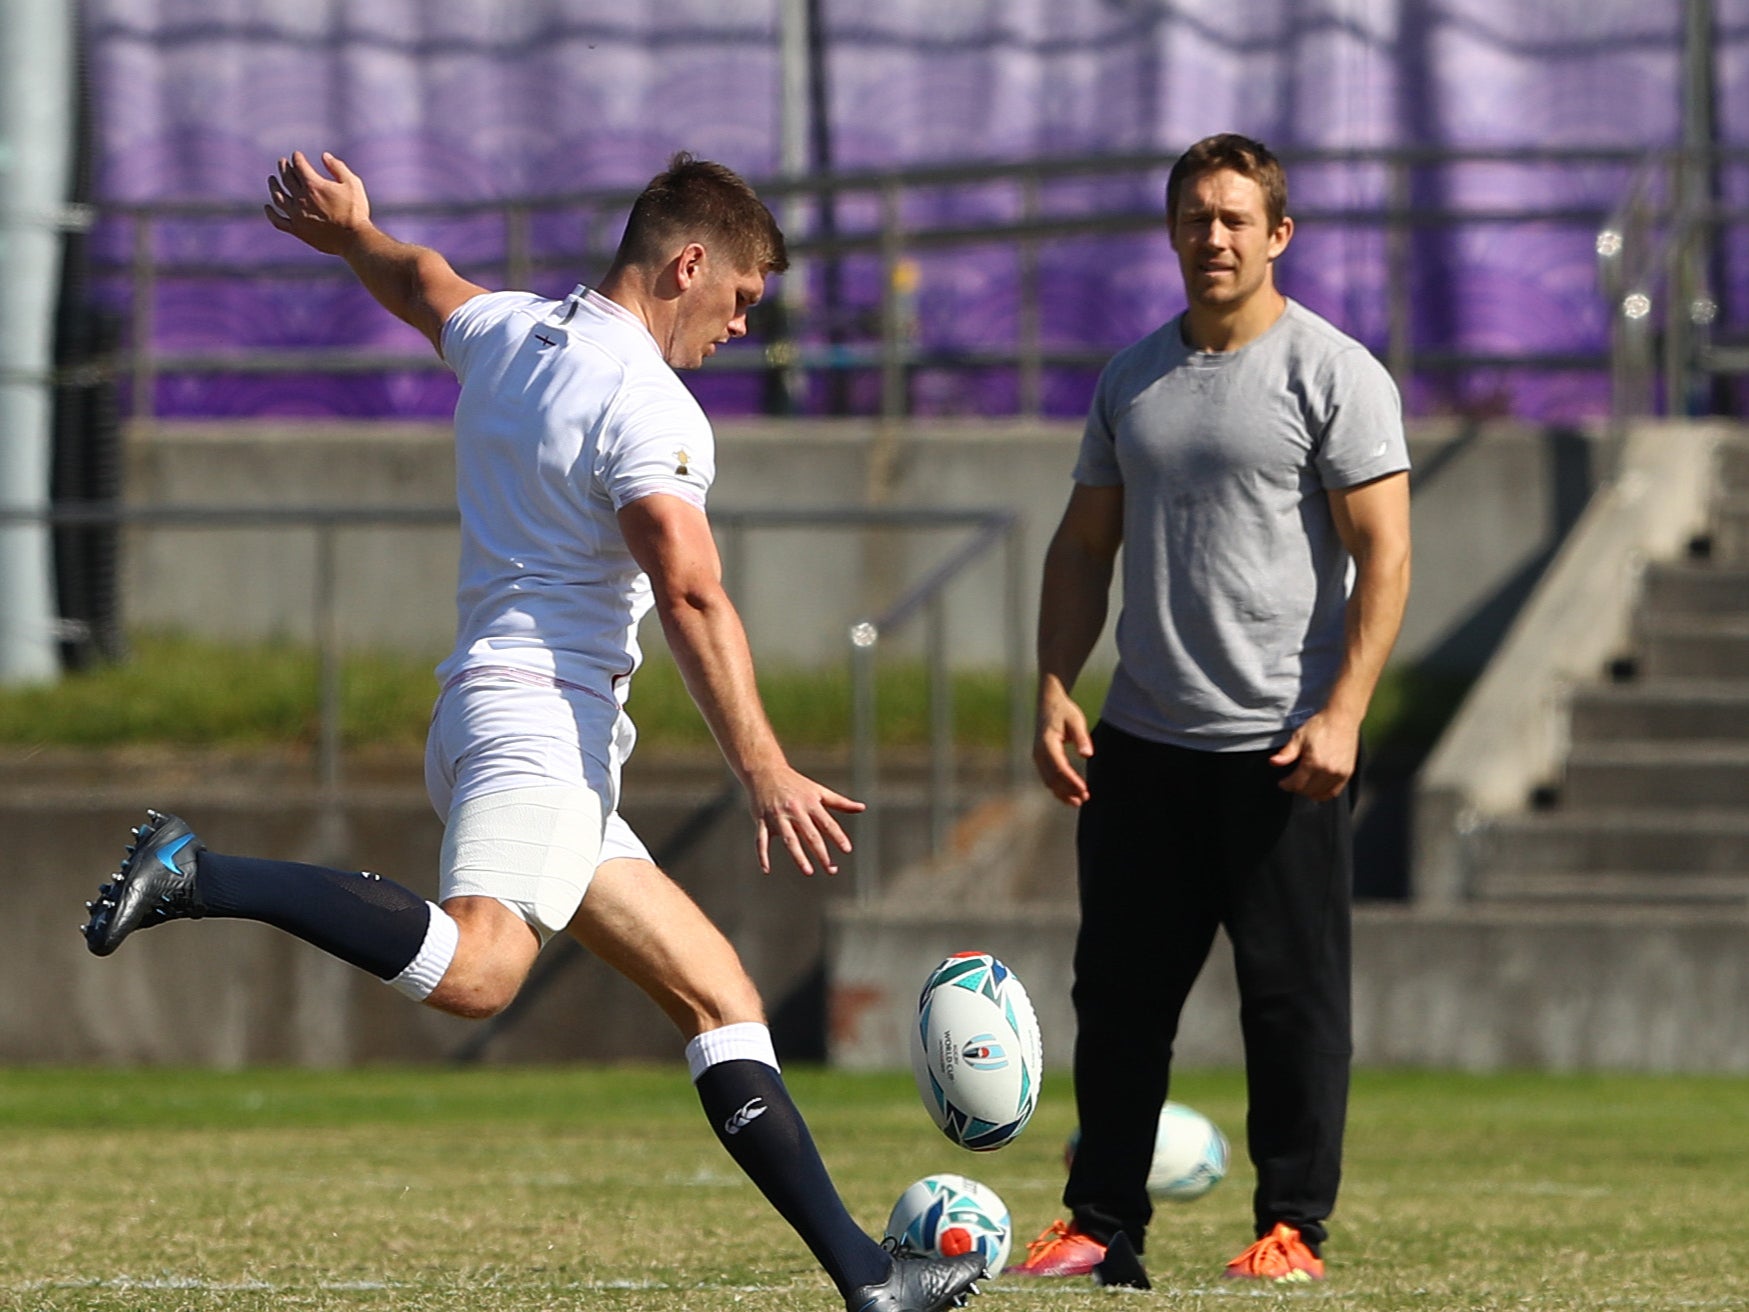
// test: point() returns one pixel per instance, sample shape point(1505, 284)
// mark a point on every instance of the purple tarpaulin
point(465, 100)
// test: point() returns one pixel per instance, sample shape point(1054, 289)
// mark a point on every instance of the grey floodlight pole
point(36, 158)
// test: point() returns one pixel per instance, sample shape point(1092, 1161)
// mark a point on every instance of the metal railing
point(927, 598)
point(1657, 266)
point(1042, 208)
point(991, 531)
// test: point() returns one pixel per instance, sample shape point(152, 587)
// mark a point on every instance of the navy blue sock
point(753, 1115)
point(365, 920)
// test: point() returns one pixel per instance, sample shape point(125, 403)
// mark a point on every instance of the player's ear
point(689, 265)
point(1283, 234)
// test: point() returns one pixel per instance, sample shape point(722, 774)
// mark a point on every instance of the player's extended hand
point(1062, 727)
point(323, 212)
point(796, 809)
point(1323, 754)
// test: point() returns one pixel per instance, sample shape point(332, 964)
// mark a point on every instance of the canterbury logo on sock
point(754, 1109)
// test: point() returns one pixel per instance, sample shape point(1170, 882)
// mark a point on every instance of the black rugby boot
point(154, 884)
point(920, 1284)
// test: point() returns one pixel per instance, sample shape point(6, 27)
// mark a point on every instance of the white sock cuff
point(426, 970)
point(746, 1041)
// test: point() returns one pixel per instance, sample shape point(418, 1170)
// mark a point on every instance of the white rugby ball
point(946, 1215)
point(1190, 1155)
point(975, 1051)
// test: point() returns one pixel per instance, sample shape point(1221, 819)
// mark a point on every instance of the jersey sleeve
point(1362, 437)
point(656, 439)
point(1096, 464)
point(473, 322)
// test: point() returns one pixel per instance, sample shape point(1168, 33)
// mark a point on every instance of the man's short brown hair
point(696, 200)
point(1248, 158)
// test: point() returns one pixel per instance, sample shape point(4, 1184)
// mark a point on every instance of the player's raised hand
point(326, 212)
point(798, 812)
point(1062, 728)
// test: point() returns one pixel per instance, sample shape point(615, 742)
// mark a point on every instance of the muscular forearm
point(1374, 617)
point(1072, 610)
point(397, 274)
point(709, 645)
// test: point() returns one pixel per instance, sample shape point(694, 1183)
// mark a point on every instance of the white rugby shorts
point(524, 773)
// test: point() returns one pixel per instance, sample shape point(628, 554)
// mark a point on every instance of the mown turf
point(189, 692)
point(492, 1190)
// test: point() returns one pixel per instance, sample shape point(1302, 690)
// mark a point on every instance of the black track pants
point(1172, 845)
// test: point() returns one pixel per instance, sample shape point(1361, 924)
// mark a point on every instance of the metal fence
point(988, 533)
point(835, 217)
point(1668, 265)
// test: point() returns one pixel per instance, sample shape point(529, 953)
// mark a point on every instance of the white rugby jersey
point(568, 412)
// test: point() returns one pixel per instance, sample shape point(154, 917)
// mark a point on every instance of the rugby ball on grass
point(1190, 1155)
point(975, 1051)
point(946, 1215)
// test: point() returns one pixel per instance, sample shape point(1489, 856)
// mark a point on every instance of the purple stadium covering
point(465, 100)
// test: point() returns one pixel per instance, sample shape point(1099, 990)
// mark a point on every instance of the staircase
point(1653, 807)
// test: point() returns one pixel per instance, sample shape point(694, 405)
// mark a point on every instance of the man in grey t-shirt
point(1250, 459)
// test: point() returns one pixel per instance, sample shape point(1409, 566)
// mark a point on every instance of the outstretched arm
point(671, 540)
point(332, 214)
point(1373, 522)
point(1071, 613)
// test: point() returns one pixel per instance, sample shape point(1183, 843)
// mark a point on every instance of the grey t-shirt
point(1235, 581)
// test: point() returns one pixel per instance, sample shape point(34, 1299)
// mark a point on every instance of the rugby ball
point(975, 1051)
point(946, 1215)
point(1190, 1155)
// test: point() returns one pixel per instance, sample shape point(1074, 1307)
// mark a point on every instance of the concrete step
point(1695, 587)
point(1662, 710)
point(1734, 466)
point(1730, 535)
point(1614, 888)
point(1678, 776)
point(1693, 646)
point(1648, 842)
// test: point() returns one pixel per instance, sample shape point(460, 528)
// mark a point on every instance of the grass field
point(188, 692)
point(491, 1190)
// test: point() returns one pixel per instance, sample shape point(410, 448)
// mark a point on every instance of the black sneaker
point(920, 1284)
point(155, 884)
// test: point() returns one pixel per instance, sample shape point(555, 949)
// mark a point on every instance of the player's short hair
point(697, 200)
point(1228, 150)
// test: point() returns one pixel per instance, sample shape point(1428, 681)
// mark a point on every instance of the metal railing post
point(864, 772)
point(1031, 380)
point(893, 386)
point(941, 754)
point(328, 661)
point(141, 315)
point(1399, 273)
point(1019, 685)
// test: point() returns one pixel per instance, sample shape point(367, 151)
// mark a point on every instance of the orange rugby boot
point(1281, 1257)
point(1062, 1250)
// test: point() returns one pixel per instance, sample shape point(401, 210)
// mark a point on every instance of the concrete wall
point(1471, 988)
point(1463, 990)
point(229, 993)
point(1491, 504)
